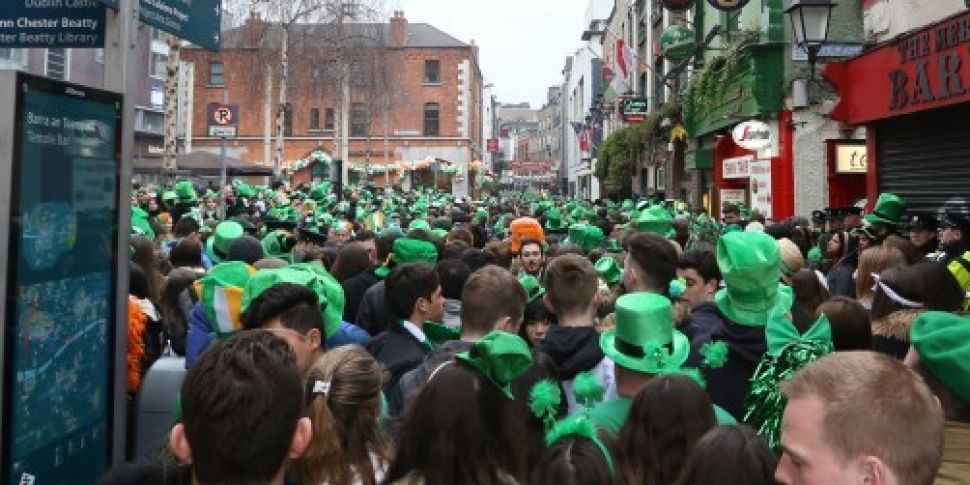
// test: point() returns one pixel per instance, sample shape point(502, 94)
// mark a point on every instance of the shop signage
point(728, 5)
point(26, 23)
point(634, 109)
point(851, 158)
point(155, 150)
point(828, 51)
point(926, 69)
point(678, 5)
point(677, 43)
point(752, 135)
point(737, 167)
point(760, 186)
point(733, 196)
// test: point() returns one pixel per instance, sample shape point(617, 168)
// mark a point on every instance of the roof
point(420, 35)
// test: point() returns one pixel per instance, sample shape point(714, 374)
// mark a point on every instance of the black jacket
point(573, 349)
point(398, 351)
point(374, 316)
point(728, 385)
point(354, 289)
point(703, 320)
point(411, 382)
point(841, 282)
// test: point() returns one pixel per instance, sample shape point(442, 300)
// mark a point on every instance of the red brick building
point(415, 94)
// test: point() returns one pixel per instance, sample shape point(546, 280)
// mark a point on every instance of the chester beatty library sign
point(51, 23)
point(924, 69)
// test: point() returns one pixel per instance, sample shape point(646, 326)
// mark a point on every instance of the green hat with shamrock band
point(645, 339)
point(407, 250)
point(217, 247)
point(655, 219)
point(609, 270)
point(942, 341)
point(889, 210)
point(533, 288)
point(186, 192)
point(501, 357)
point(750, 264)
point(554, 220)
point(327, 292)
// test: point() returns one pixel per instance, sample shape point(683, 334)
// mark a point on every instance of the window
point(215, 74)
point(288, 119)
point(152, 122)
point(358, 119)
point(659, 88)
point(432, 72)
point(157, 35)
point(316, 74)
point(56, 65)
point(359, 75)
point(314, 119)
point(156, 65)
point(431, 115)
point(328, 119)
point(17, 56)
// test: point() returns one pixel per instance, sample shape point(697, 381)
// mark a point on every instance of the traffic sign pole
point(222, 161)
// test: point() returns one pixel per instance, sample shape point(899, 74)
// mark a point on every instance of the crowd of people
point(371, 336)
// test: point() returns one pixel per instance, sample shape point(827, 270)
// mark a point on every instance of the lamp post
point(810, 24)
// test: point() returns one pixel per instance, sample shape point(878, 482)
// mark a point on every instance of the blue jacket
point(200, 335)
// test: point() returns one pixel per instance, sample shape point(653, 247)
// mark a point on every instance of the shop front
point(913, 96)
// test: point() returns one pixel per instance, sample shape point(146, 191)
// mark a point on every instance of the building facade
point(415, 94)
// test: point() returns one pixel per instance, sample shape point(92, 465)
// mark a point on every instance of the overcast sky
point(523, 44)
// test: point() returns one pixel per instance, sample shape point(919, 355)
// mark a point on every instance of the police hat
point(923, 221)
point(952, 219)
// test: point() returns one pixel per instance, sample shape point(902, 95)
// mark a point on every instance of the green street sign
point(677, 43)
point(197, 21)
point(635, 109)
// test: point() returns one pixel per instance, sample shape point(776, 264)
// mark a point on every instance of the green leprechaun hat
point(186, 192)
point(407, 250)
point(592, 238)
point(533, 288)
point(942, 341)
point(644, 339)
point(889, 210)
point(330, 294)
point(278, 244)
point(576, 234)
point(221, 295)
point(217, 247)
point(501, 357)
point(750, 264)
point(554, 220)
point(655, 219)
point(614, 245)
point(609, 270)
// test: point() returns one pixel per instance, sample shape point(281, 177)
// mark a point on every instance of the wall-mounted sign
point(51, 24)
point(733, 196)
point(752, 135)
point(222, 119)
point(196, 21)
point(678, 5)
point(728, 5)
point(737, 167)
point(677, 43)
point(634, 109)
point(851, 158)
point(760, 186)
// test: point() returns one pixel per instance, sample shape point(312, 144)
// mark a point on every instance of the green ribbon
point(780, 332)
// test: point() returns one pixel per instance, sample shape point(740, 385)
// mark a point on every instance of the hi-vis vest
point(960, 268)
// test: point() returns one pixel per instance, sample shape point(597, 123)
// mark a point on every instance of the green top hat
point(578, 215)
point(889, 210)
point(243, 189)
point(576, 234)
point(655, 219)
point(533, 288)
point(592, 238)
point(942, 341)
point(644, 339)
point(609, 270)
point(554, 220)
point(276, 245)
point(501, 225)
point(627, 205)
point(751, 267)
point(186, 192)
point(501, 357)
point(407, 250)
point(419, 225)
point(482, 214)
point(217, 247)
point(329, 292)
point(169, 196)
point(614, 246)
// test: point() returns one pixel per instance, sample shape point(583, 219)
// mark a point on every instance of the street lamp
point(810, 23)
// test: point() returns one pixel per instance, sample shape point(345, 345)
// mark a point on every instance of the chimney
point(474, 48)
point(399, 29)
point(254, 28)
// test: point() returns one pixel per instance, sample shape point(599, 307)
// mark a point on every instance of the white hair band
point(896, 297)
point(321, 387)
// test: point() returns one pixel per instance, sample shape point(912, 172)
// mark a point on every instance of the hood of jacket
point(747, 343)
point(573, 349)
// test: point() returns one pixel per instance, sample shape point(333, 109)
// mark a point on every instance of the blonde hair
point(791, 259)
point(874, 405)
point(344, 404)
point(875, 260)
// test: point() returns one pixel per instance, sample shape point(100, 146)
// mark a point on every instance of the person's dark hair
point(851, 326)
point(460, 429)
point(453, 275)
point(185, 227)
point(187, 253)
point(454, 250)
point(498, 254)
point(474, 258)
point(247, 249)
point(489, 295)
point(241, 402)
point(297, 307)
point(178, 297)
point(595, 254)
point(352, 259)
point(145, 256)
point(572, 461)
point(461, 234)
point(929, 283)
point(564, 249)
point(365, 235)
point(704, 262)
point(667, 418)
point(731, 209)
point(406, 284)
point(384, 245)
point(656, 260)
point(137, 282)
point(571, 283)
point(809, 294)
point(910, 251)
point(730, 455)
